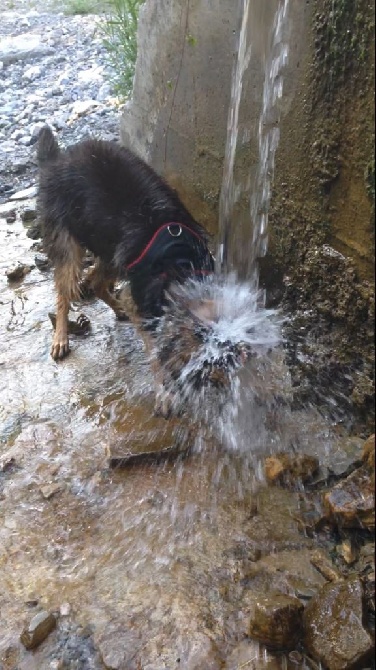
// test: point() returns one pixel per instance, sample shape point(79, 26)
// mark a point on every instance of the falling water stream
point(149, 552)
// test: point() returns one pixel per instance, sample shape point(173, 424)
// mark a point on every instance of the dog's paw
point(86, 290)
point(82, 325)
point(121, 315)
point(60, 348)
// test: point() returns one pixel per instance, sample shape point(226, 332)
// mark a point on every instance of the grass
point(83, 7)
point(119, 33)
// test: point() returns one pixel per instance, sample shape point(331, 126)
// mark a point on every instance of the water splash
point(209, 330)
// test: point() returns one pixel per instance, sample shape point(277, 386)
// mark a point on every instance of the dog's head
point(175, 254)
point(191, 347)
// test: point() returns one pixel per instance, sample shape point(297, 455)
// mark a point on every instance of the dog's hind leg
point(67, 274)
point(100, 280)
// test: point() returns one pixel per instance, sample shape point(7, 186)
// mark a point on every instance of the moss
point(370, 179)
point(343, 32)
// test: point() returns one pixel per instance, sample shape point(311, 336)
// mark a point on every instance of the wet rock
point(34, 232)
point(49, 490)
point(119, 647)
point(276, 620)
point(348, 552)
point(28, 214)
point(42, 262)
point(18, 272)
point(7, 210)
point(368, 455)
point(247, 655)
point(40, 626)
point(351, 502)
point(24, 194)
point(324, 566)
point(11, 217)
point(333, 628)
point(201, 654)
point(290, 469)
point(65, 609)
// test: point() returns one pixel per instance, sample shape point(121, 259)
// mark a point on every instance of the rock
point(351, 502)
point(290, 469)
point(34, 231)
point(65, 609)
point(368, 455)
point(277, 621)
point(23, 47)
point(18, 271)
point(119, 647)
point(7, 209)
point(49, 490)
point(348, 552)
point(324, 566)
point(201, 654)
point(11, 217)
point(333, 628)
point(24, 194)
point(32, 73)
point(40, 626)
point(247, 655)
point(42, 262)
point(28, 214)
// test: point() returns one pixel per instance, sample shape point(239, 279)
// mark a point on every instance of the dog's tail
point(48, 149)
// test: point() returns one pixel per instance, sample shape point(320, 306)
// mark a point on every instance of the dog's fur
point(99, 196)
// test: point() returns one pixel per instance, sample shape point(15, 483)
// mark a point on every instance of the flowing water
point(151, 545)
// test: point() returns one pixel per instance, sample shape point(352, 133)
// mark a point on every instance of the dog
point(99, 196)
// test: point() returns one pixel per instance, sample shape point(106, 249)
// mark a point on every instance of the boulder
point(351, 503)
point(333, 629)
point(276, 621)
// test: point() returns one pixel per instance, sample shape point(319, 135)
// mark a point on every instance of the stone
point(40, 626)
point(290, 469)
point(351, 502)
point(333, 630)
point(118, 646)
point(7, 209)
point(276, 621)
point(49, 490)
point(368, 455)
point(18, 271)
point(24, 194)
point(247, 655)
point(28, 214)
point(34, 232)
point(42, 262)
point(23, 47)
point(348, 552)
point(32, 73)
point(65, 609)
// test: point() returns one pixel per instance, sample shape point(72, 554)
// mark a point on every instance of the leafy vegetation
point(119, 32)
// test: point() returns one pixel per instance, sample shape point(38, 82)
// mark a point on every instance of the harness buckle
point(179, 231)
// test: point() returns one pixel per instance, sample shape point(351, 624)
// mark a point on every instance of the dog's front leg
point(60, 344)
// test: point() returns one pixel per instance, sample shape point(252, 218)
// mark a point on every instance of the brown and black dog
point(99, 196)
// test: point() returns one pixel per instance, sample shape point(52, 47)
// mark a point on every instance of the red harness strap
point(153, 239)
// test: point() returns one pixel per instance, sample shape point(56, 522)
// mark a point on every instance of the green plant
point(82, 7)
point(119, 32)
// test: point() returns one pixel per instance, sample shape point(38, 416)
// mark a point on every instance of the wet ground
point(151, 560)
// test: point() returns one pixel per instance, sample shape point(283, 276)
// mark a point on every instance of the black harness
point(174, 253)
